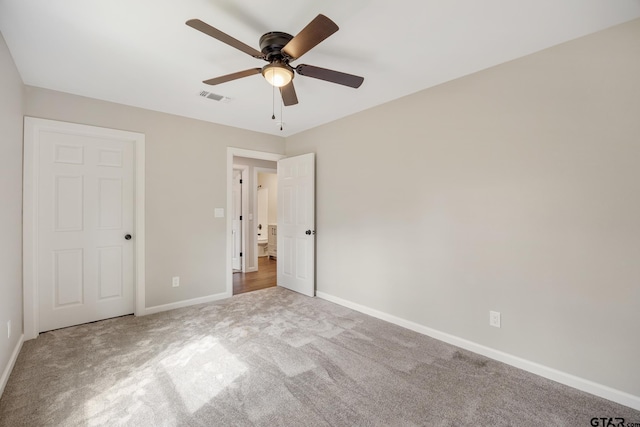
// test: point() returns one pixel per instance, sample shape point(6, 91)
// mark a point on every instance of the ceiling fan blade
point(224, 38)
point(315, 32)
point(330, 75)
point(233, 76)
point(288, 93)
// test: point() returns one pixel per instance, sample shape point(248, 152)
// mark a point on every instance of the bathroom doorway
point(266, 212)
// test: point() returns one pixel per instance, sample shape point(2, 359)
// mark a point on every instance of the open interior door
point(296, 224)
point(236, 222)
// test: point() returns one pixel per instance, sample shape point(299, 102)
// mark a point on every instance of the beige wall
point(516, 189)
point(185, 182)
point(11, 104)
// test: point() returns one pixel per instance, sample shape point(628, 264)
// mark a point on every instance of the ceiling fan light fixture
point(277, 74)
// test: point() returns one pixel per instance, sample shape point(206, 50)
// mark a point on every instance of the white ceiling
point(141, 53)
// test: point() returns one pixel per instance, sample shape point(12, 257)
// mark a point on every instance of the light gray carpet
point(274, 357)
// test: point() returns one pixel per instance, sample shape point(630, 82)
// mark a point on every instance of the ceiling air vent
point(214, 96)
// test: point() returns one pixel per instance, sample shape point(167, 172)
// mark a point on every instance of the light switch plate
point(218, 212)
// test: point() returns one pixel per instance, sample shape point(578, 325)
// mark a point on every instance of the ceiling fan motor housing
point(271, 45)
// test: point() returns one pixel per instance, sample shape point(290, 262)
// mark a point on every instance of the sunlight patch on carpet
point(201, 370)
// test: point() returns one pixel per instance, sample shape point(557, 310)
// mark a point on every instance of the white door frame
point(256, 171)
point(32, 128)
point(251, 154)
point(244, 208)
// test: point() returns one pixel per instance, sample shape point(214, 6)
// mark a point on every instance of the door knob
point(309, 232)
point(127, 236)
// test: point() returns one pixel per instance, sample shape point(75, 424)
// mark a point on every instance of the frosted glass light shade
point(278, 75)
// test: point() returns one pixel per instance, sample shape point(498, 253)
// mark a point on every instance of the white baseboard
point(588, 386)
point(12, 361)
point(185, 303)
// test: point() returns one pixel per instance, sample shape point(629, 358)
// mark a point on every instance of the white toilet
point(263, 241)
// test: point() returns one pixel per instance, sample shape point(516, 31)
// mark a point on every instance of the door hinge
point(240, 253)
point(240, 181)
point(240, 217)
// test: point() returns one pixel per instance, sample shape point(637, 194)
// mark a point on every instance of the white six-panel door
point(85, 213)
point(296, 223)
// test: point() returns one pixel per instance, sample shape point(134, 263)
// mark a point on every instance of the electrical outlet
point(175, 282)
point(494, 318)
point(8, 329)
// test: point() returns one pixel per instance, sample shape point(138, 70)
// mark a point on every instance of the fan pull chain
point(273, 103)
point(281, 116)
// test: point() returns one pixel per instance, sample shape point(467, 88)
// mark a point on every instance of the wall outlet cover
point(494, 318)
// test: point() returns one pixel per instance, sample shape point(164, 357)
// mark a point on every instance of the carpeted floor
point(274, 357)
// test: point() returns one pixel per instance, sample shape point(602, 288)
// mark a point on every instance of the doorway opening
point(264, 225)
point(253, 215)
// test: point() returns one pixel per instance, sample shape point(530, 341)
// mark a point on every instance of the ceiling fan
point(279, 49)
